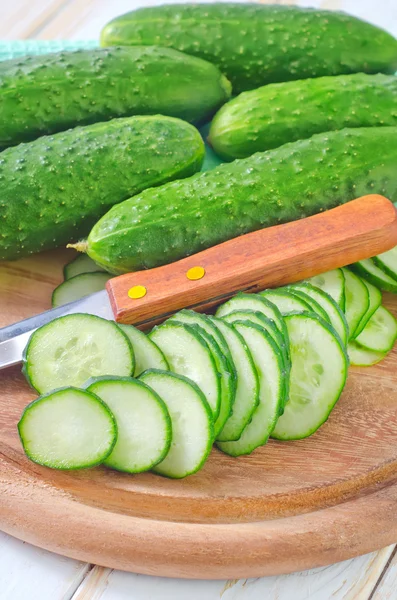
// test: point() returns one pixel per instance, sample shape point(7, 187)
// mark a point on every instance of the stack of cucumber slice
point(266, 365)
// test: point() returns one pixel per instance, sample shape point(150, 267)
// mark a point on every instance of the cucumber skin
point(382, 285)
point(276, 114)
point(291, 182)
point(53, 190)
point(255, 44)
point(40, 95)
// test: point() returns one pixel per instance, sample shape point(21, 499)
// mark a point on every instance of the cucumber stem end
point(79, 246)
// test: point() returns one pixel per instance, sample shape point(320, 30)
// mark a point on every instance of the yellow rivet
point(195, 273)
point(138, 291)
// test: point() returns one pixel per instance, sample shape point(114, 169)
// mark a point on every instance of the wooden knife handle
point(266, 258)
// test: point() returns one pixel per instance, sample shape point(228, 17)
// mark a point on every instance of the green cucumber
point(147, 354)
point(380, 332)
point(192, 427)
point(144, 430)
point(286, 301)
point(313, 305)
point(41, 95)
point(67, 429)
point(79, 286)
point(357, 301)
point(268, 363)
point(188, 354)
point(279, 113)
point(81, 264)
point(387, 261)
point(333, 284)
point(294, 181)
point(69, 350)
point(79, 174)
point(367, 269)
point(318, 376)
point(254, 44)
point(375, 300)
point(247, 385)
point(361, 357)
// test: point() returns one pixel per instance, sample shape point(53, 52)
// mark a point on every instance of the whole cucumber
point(284, 112)
point(54, 189)
point(255, 44)
point(294, 181)
point(40, 95)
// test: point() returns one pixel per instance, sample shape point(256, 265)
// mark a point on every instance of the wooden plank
point(26, 572)
point(21, 19)
point(387, 584)
point(348, 580)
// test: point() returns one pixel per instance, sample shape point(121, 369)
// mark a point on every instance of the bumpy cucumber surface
point(284, 112)
point(255, 44)
point(45, 94)
point(165, 224)
point(52, 190)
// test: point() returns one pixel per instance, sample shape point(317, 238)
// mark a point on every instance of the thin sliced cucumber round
point(188, 354)
point(268, 363)
point(318, 376)
point(147, 354)
point(192, 425)
point(314, 306)
point(333, 284)
point(79, 286)
point(380, 333)
point(361, 357)
point(227, 379)
point(375, 300)
point(387, 261)
point(258, 303)
point(247, 384)
point(81, 264)
point(71, 349)
point(259, 319)
point(330, 306)
point(143, 423)
point(370, 271)
point(357, 301)
point(285, 301)
point(67, 429)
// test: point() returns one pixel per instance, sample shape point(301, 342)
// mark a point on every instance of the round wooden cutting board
point(289, 506)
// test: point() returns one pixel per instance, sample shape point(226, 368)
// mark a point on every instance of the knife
point(269, 257)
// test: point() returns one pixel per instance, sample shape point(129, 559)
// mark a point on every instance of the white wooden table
point(28, 573)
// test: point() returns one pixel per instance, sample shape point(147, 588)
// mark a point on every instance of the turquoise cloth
point(22, 47)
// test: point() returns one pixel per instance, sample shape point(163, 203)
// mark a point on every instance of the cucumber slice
point(79, 286)
point(375, 300)
point(67, 429)
point(318, 376)
point(314, 306)
point(329, 305)
point(227, 379)
point(387, 261)
point(268, 363)
point(147, 354)
point(361, 357)
point(71, 349)
point(380, 332)
point(357, 301)
point(143, 423)
point(247, 384)
point(81, 264)
point(372, 273)
point(192, 426)
point(267, 324)
point(188, 354)
point(332, 283)
point(285, 301)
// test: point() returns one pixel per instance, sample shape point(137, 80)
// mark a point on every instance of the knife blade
point(13, 339)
